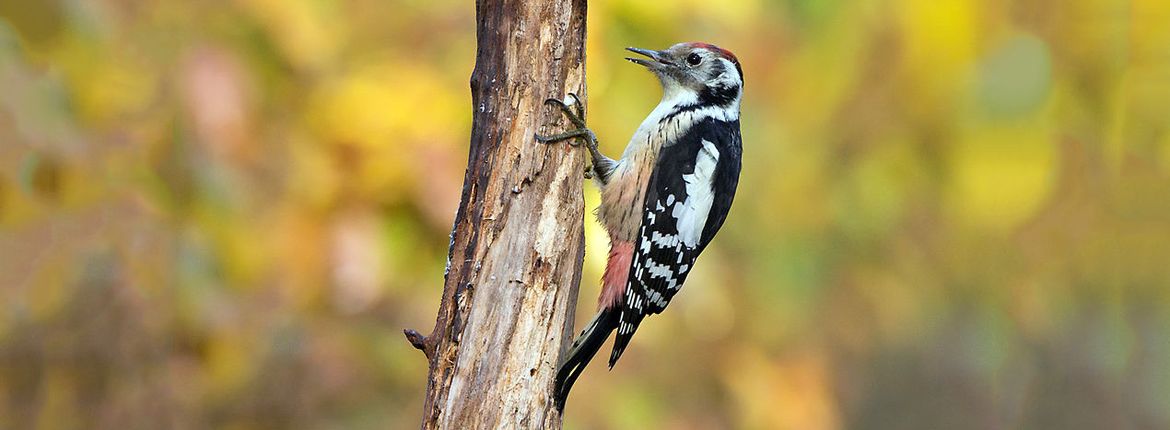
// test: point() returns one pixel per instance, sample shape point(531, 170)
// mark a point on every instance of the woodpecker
point(667, 196)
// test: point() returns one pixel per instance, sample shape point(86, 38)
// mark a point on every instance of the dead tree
point(518, 240)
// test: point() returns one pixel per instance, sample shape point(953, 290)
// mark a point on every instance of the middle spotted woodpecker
point(667, 196)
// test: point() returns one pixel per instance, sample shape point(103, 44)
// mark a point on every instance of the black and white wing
point(687, 200)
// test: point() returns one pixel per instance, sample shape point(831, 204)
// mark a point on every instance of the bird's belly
point(622, 197)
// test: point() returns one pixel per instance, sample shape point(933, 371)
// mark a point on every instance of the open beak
point(657, 60)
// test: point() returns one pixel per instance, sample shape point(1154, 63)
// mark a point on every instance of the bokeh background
point(954, 214)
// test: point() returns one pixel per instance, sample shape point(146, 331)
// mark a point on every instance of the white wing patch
point(692, 213)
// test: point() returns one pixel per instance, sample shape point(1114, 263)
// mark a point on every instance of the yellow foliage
point(306, 31)
point(1001, 175)
point(939, 42)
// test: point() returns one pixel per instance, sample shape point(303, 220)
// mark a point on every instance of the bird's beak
point(657, 61)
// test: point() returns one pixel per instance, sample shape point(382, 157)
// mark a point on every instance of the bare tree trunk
point(518, 240)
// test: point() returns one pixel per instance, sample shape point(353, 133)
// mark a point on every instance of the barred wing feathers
point(686, 203)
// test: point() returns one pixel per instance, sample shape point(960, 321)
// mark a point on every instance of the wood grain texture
point(518, 240)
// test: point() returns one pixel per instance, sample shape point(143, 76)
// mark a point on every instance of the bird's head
point(707, 73)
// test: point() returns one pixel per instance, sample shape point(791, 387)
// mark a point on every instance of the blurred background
point(954, 214)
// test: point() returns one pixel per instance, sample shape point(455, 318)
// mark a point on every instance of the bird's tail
point(584, 348)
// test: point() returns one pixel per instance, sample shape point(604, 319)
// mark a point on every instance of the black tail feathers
point(584, 348)
point(622, 339)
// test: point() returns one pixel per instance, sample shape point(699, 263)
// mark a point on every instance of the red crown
point(722, 52)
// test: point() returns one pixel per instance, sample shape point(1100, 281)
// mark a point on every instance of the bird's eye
point(694, 59)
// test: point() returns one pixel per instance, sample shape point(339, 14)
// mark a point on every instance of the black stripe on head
point(718, 95)
point(708, 97)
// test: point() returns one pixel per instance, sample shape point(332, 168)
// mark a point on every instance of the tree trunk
point(518, 240)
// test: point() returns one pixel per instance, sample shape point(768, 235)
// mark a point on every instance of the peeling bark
point(518, 240)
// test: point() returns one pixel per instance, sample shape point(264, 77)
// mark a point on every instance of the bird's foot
point(575, 111)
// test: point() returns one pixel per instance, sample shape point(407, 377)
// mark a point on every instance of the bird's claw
point(575, 113)
point(548, 140)
point(577, 117)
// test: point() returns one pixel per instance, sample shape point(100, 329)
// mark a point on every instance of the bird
point(666, 197)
